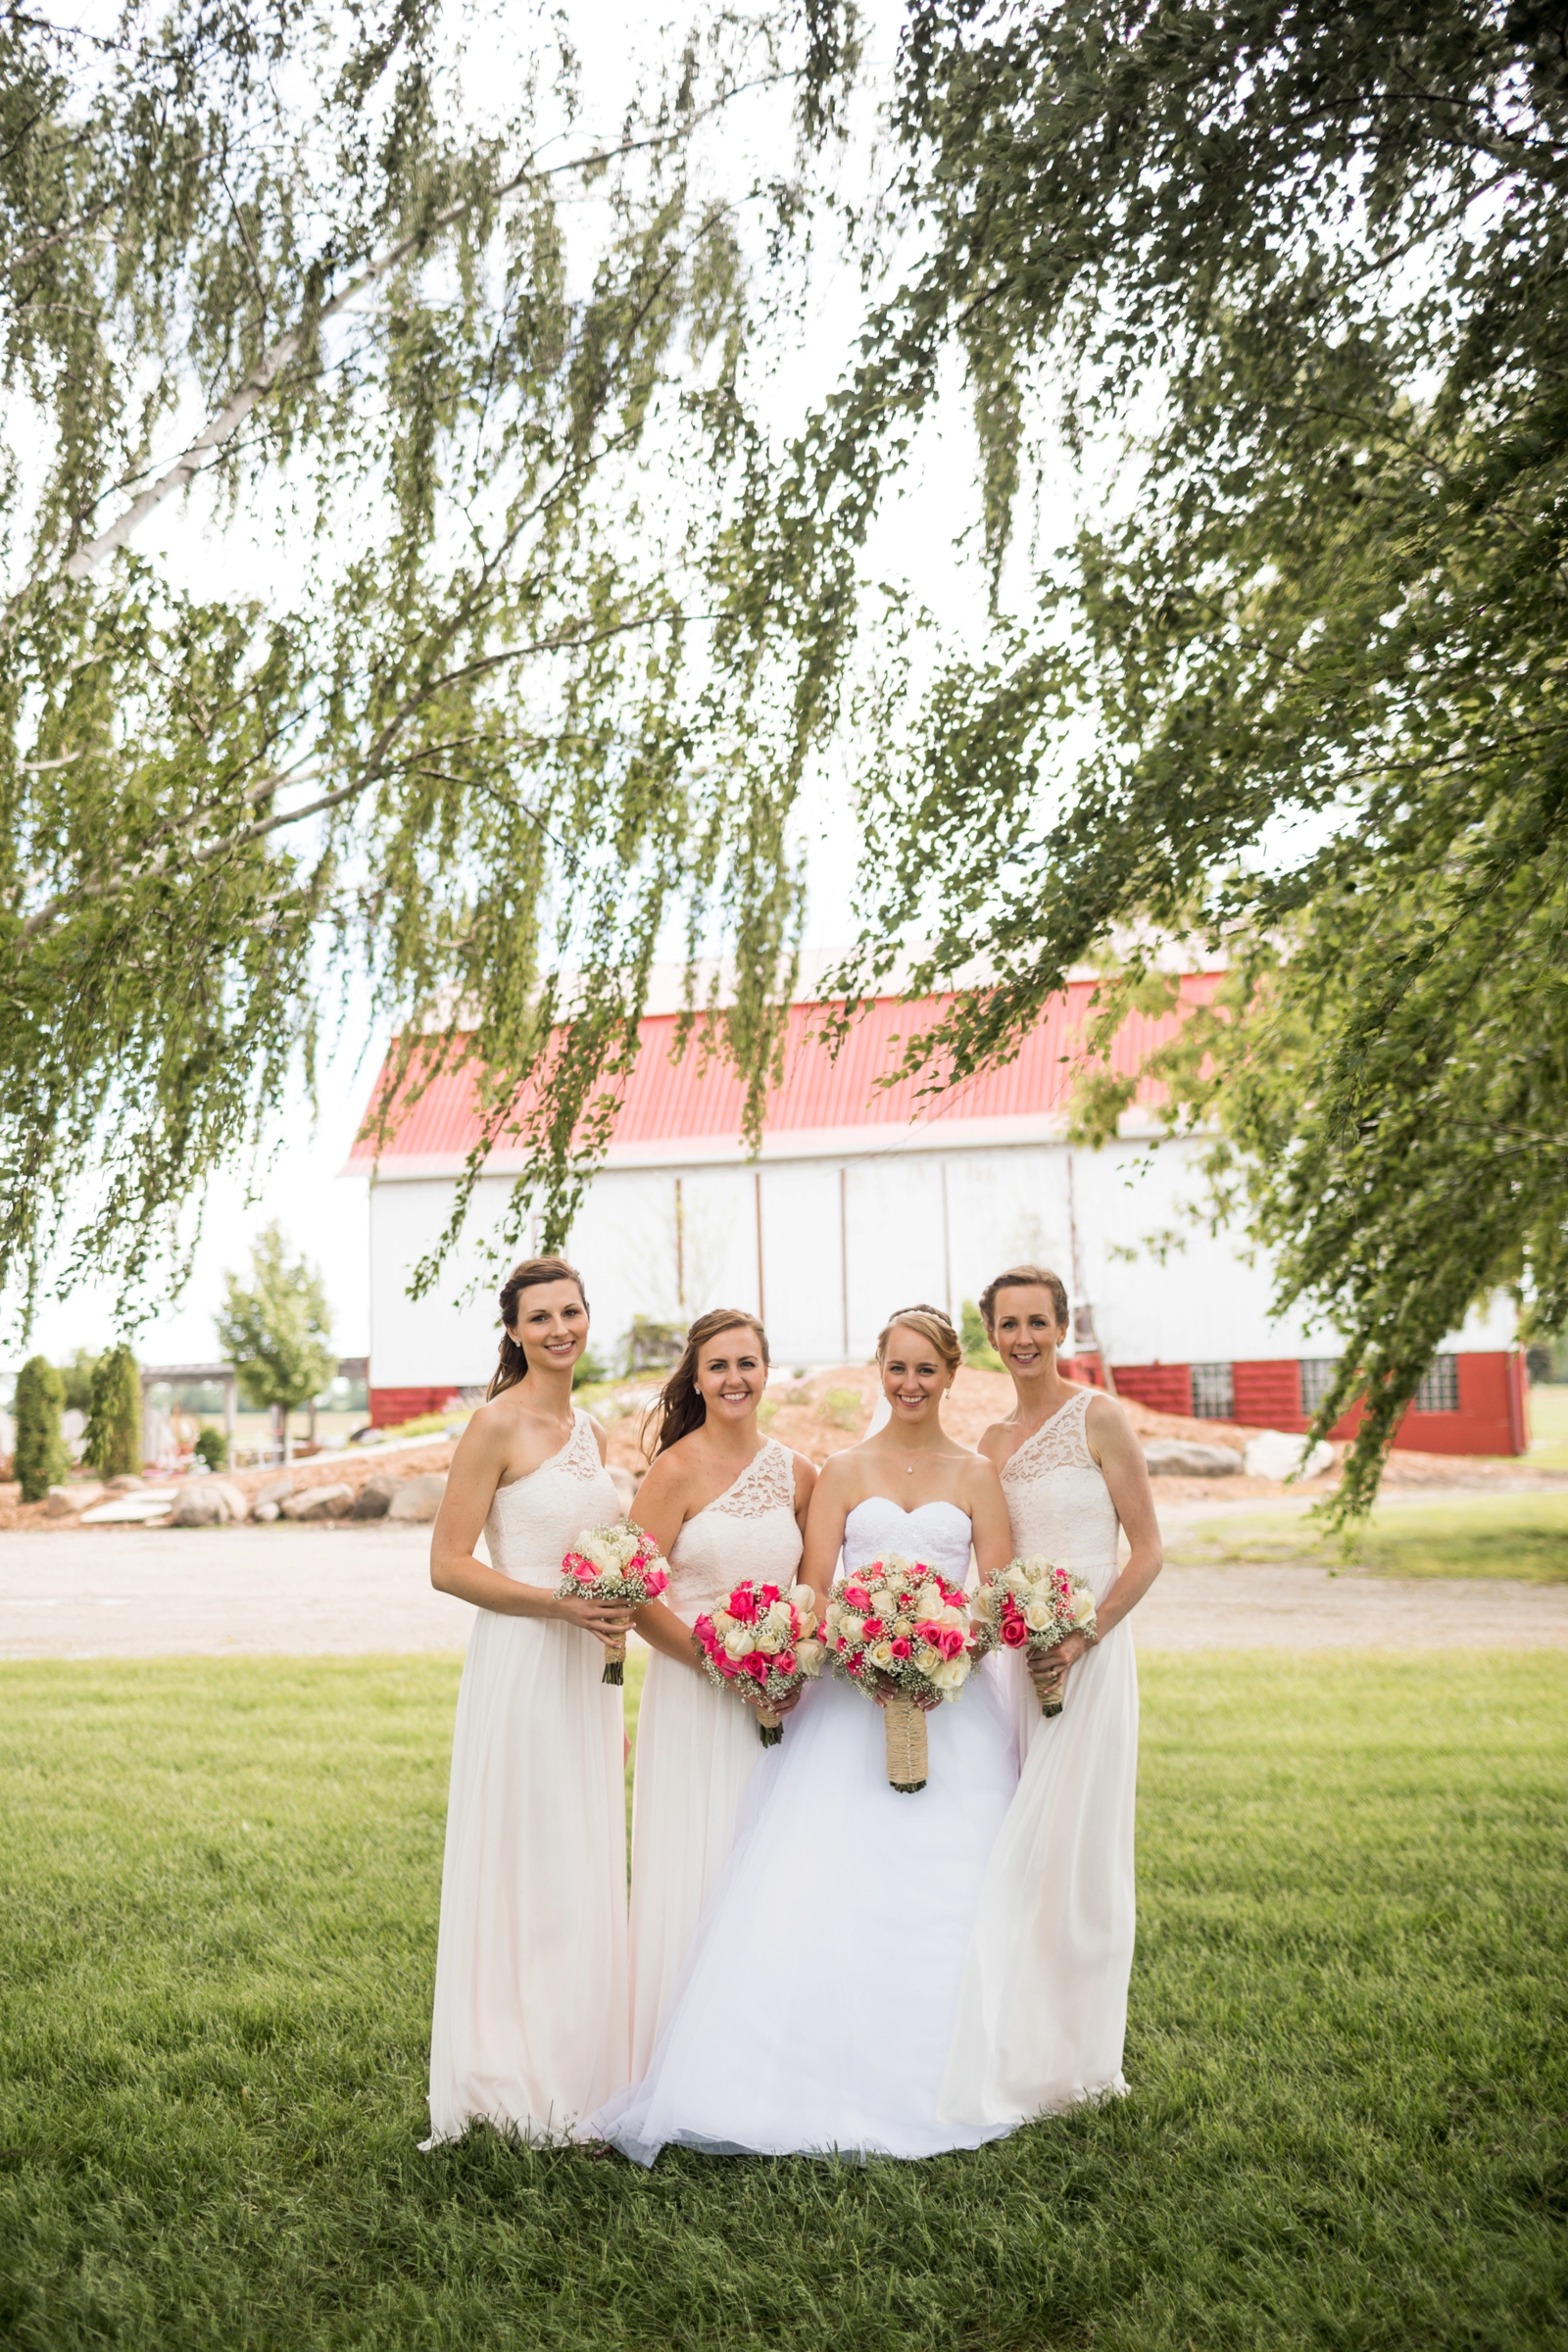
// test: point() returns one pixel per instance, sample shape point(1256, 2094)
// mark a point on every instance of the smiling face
point(731, 1373)
point(551, 1324)
point(914, 1378)
point(1026, 1333)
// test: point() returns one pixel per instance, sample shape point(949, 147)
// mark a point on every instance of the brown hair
point(678, 1406)
point(514, 1364)
point(932, 1325)
point(1018, 1278)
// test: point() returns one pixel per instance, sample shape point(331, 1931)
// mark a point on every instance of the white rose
point(930, 1599)
point(769, 1641)
point(950, 1675)
point(903, 1627)
point(1039, 1616)
point(778, 1612)
point(1083, 1608)
point(808, 1657)
point(738, 1641)
point(803, 1596)
point(927, 1658)
point(880, 1655)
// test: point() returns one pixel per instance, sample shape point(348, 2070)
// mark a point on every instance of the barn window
point(1318, 1375)
point(1213, 1393)
point(1438, 1392)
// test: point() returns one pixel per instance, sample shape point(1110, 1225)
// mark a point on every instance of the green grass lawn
point(1548, 1424)
point(1345, 2127)
point(1524, 1536)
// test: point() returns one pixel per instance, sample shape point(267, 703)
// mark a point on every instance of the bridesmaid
point(1043, 2012)
point(529, 2030)
point(722, 1503)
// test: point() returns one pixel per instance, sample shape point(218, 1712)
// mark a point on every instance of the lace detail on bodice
point(534, 1520)
point(747, 1530)
point(1057, 1500)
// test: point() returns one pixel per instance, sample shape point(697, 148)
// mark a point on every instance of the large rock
point(274, 1491)
point(1276, 1453)
point(238, 1502)
point(419, 1496)
point(127, 1483)
point(319, 1502)
point(130, 1511)
point(1178, 1457)
point(61, 1501)
point(200, 1504)
point(375, 1496)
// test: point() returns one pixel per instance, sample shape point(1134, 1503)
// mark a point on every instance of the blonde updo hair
point(934, 1327)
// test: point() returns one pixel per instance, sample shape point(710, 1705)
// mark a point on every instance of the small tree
point(212, 1447)
point(76, 1376)
point(278, 1334)
point(41, 1457)
point(113, 1440)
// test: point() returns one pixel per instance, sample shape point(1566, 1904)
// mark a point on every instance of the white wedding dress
point(817, 2001)
point(698, 1746)
point(529, 2026)
point(1043, 2012)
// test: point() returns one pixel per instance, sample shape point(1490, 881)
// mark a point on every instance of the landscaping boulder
point(238, 1502)
point(273, 1492)
point(61, 1501)
point(265, 1513)
point(200, 1504)
point(375, 1496)
point(419, 1496)
point(1276, 1453)
point(1177, 1457)
point(319, 1502)
point(127, 1483)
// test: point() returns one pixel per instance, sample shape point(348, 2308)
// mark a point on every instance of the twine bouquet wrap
point(1033, 1604)
point(614, 1563)
point(761, 1644)
point(898, 1632)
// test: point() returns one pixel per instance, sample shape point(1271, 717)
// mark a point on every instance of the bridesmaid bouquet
point(896, 1630)
point(1033, 1604)
point(612, 1563)
point(763, 1641)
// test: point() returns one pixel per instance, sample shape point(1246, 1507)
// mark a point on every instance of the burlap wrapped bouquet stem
point(905, 1724)
point(770, 1727)
point(614, 1662)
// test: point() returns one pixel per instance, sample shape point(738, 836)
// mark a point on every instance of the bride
point(871, 1890)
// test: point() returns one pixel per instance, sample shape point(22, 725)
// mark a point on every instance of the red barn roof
point(681, 1112)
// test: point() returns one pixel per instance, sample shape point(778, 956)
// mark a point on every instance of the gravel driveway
point(145, 1592)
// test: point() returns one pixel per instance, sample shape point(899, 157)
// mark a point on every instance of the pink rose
point(655, 1582)
point(785, 1661)
point(757, 1666)
point(853, 1665)
point(902, 1648)
point(585, 1574)
point(872, 1628)
point(857, 1597)
point(743, 1605)
point(1014, 1632)
point(770, 1596)
point(726, 1665)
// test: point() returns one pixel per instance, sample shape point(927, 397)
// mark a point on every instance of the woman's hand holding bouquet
point(897, 1631)
point(613, 1566)
point(761, 1644)
point(1033, 1605)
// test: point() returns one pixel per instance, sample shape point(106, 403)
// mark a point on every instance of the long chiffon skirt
point(1042, 2016)
point(697, 1749)
point(530, 2021)
point(817, 2001)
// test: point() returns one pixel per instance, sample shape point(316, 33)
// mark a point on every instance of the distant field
point(1548, 1424)
point(1524, 1536)
point(219, 1882)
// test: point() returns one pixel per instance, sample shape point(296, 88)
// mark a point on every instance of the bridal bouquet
point(896, 1630)
point(1033, 1604)
point(762, 1643)
point(612, 1563)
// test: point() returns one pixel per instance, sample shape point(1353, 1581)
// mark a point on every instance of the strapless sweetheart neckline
point(906, 1510)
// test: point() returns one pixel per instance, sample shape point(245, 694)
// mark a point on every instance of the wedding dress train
point(816, 2005)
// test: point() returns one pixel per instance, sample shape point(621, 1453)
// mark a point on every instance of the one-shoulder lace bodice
point(533, 1521)
point(938, 1534)
point(750, 1531)
point(1057, 1500)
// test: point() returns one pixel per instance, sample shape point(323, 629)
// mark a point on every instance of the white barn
point(863, 1199)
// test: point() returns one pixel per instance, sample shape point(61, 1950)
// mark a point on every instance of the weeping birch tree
point(363, 295)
